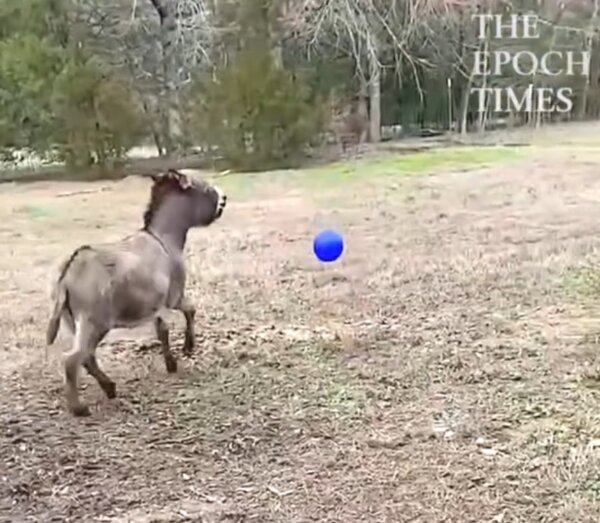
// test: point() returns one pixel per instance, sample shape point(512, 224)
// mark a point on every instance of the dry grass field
point(447, 369)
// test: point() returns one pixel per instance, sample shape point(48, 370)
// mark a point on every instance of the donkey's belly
point(132, 316)
point(133, 307)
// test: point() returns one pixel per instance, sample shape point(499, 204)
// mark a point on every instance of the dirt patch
point(439, 373)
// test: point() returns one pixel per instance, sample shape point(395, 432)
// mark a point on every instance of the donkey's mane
point(160, 189)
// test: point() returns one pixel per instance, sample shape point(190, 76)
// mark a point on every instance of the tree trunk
point(594, 78)
point(538, 113)
point(374, 98)
point(589, 45)
point(465, 103)
point(483, 115)
point(154, 131)
point(464, 110)
point(482, 120)
point(168, 103)
point(362, 106)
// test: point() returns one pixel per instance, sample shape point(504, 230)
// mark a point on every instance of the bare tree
point(157, 44)
point(185, 36)
point(370, 31)
point(168, 105)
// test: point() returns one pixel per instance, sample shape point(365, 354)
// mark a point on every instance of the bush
point(256, 115)
point(27, 66)
point(52, 102)
point(95, 118)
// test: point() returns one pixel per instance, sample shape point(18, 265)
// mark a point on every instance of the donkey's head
point(183, 200)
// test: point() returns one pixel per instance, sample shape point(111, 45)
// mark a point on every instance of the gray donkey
point(125, 284)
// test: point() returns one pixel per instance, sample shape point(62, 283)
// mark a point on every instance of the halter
point(157, 238)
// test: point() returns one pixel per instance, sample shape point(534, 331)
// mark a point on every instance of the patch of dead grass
point(443, 374)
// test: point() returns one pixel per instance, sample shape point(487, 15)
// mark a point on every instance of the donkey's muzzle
point(221, 202)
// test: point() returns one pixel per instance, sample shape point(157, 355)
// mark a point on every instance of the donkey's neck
point(170, 224)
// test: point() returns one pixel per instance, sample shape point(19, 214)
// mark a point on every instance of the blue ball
point(328, 246)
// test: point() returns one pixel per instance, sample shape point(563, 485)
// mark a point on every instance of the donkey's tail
point(60, 301)
point(60, 297)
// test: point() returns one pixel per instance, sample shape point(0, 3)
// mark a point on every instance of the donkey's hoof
point(188, 346)
point(80, 411)
point(171, 365)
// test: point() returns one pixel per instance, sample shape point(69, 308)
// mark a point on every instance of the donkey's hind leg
point(189, 313)
point(162, 333)
point(87, 336)
point(107, 385)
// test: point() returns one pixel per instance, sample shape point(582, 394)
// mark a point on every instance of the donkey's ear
point(156, 176)
point(183, 180)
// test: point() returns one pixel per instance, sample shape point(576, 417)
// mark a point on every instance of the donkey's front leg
point(162, 333)
point(189, 311)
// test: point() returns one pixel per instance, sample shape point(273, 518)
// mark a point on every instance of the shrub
point(256, 115)
point(95, 118)
point(27, 67)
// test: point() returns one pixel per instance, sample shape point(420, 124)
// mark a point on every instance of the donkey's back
point(118, 285)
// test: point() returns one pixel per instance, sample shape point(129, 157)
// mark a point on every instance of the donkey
point(131, 282)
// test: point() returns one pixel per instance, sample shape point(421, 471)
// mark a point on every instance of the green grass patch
point(372, 169)
point(462, 157)
point(342, 399)
point(39, 211)
point(582, 283)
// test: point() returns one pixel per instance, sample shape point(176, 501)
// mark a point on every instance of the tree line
point(255, 83)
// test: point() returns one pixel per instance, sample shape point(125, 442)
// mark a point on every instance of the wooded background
point(255, 83)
